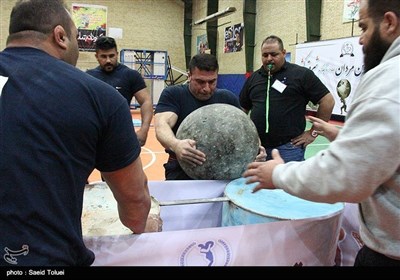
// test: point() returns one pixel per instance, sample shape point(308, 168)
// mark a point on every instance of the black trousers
point(173, 171)
point(368, 257)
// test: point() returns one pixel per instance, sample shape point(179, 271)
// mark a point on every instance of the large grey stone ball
point(226, 135)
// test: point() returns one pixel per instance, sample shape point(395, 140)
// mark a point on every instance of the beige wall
point(283, 18)
point(234, 62)
point(5, 10)
point(158, 25)
point(332, 22)
point(199, 11)
point(146, 24)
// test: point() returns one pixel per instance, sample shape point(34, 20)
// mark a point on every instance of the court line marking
point(153, 158)
point(321, 144)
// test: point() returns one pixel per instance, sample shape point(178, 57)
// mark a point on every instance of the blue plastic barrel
point(267, 206)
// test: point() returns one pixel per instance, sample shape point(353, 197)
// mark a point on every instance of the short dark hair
point(204, 62)
point(273, 39)
point(376, 9)
point(105, 43)
point(40, 16)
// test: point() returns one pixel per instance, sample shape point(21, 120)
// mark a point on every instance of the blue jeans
point(288, 152)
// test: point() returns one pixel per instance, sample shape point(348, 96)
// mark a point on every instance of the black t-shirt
point(179, 100)
point(291, 89)
point(56, 125)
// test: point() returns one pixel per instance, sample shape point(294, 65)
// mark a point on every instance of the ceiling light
point(216, 15)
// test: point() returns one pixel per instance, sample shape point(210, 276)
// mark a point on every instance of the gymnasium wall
point(146, 24)
point(158, 25)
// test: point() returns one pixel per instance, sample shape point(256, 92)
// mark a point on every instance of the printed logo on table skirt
point(209, 253)
point(11, 256)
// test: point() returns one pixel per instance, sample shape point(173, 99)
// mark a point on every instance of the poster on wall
point(91, 21)
point(202, 44)
point(350, 10)
point(338, 63)
point(233, 38)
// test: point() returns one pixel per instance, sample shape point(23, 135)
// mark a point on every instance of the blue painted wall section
point(233, 82)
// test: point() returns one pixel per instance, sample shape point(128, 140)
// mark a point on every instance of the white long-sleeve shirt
point(362, 165)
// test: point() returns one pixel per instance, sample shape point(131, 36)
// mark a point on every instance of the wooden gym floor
point(153, 155)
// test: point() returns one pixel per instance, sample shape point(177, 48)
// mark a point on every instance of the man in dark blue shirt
point(128, 82)
point(177, 102)
point(56, 126)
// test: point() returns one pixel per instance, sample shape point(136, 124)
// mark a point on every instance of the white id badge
point(279, 86)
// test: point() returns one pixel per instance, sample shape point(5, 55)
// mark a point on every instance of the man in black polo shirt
point(282, 90)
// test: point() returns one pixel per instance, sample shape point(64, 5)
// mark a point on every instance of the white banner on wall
point(338, 63)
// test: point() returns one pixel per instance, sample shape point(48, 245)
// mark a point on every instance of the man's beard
point(374, 52)
point(109, 67)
